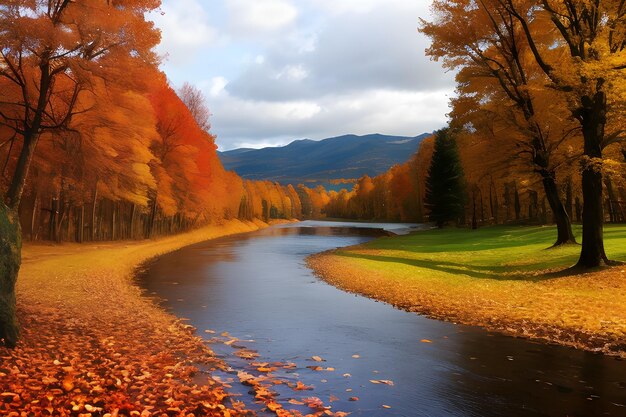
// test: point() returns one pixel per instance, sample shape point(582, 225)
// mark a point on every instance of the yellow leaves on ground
point(120, 356)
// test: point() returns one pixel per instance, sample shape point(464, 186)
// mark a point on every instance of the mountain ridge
point(318, 162)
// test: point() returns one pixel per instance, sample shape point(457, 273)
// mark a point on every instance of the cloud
point(252, 17)
point(364, 6)
point(380, 48)
point(185, 28)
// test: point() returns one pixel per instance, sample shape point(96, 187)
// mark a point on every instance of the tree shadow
point(497, 272)
point(446, 240)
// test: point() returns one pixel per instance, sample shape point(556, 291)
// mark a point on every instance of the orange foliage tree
point(50, 52)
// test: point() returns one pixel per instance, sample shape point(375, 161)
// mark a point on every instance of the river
point(257, 287)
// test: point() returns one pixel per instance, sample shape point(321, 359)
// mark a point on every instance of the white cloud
point(293, 73)
point(185, 27)
point(377, 49)
point(217, 86)
point(251, 17)
point(365, 6)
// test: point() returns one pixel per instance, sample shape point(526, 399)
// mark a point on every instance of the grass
point(502, 278)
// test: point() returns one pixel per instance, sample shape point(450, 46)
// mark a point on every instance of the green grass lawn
point(493, 251)
point(504, 278)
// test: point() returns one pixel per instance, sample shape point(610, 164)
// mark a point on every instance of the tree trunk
point(568, 197)
point(33, 218)
point(150, 226)
point(16, 189)
point(593, 119)
point(131, 232)
point(80, 235)
point(113, 223)
point(516, 202)
point(10, 260)
point(94, 205)
point(613, 204)
point(68, 224)
point(544, 212)
point(474, 219)
point(561, 218)
point(52, 224)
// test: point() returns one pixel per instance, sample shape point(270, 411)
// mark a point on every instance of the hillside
point(318, 162)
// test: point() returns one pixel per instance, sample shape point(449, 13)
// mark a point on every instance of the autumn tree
point(500, 82)
point(580, 46)
point(196, 103)
point(445, 188)
point(50, 52)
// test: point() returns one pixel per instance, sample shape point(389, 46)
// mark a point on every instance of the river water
point(257, 287)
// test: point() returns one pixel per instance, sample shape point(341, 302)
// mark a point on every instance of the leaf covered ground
point(501, 278)
point(93, 345)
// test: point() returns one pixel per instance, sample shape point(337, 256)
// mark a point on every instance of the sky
point(278, 70)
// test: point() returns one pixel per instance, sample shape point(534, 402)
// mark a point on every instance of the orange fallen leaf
point(295, 402)
point(300, 386)
point(426, 341)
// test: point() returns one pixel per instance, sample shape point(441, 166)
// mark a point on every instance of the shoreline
point(93, 342)
point(377, 275)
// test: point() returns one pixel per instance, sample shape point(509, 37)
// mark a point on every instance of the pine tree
point(445, 189)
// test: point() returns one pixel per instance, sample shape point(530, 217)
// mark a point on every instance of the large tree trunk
point(593, 119)
point(16, 188)
point(10, 260)
point(10, 231)
point(561, 218)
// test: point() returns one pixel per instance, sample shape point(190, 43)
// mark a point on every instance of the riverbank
point(92, 344)
point(501, 278)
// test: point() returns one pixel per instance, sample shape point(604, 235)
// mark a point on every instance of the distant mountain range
point(318, 162)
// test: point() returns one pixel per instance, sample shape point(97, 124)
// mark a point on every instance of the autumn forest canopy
point(95, 144)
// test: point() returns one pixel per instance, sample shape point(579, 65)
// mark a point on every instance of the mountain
point(317, 162)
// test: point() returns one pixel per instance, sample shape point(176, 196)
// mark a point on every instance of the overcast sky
point(278, 70)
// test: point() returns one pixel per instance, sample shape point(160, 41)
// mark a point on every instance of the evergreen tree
point(445, 184)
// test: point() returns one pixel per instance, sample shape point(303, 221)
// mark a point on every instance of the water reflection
point(257, 286)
